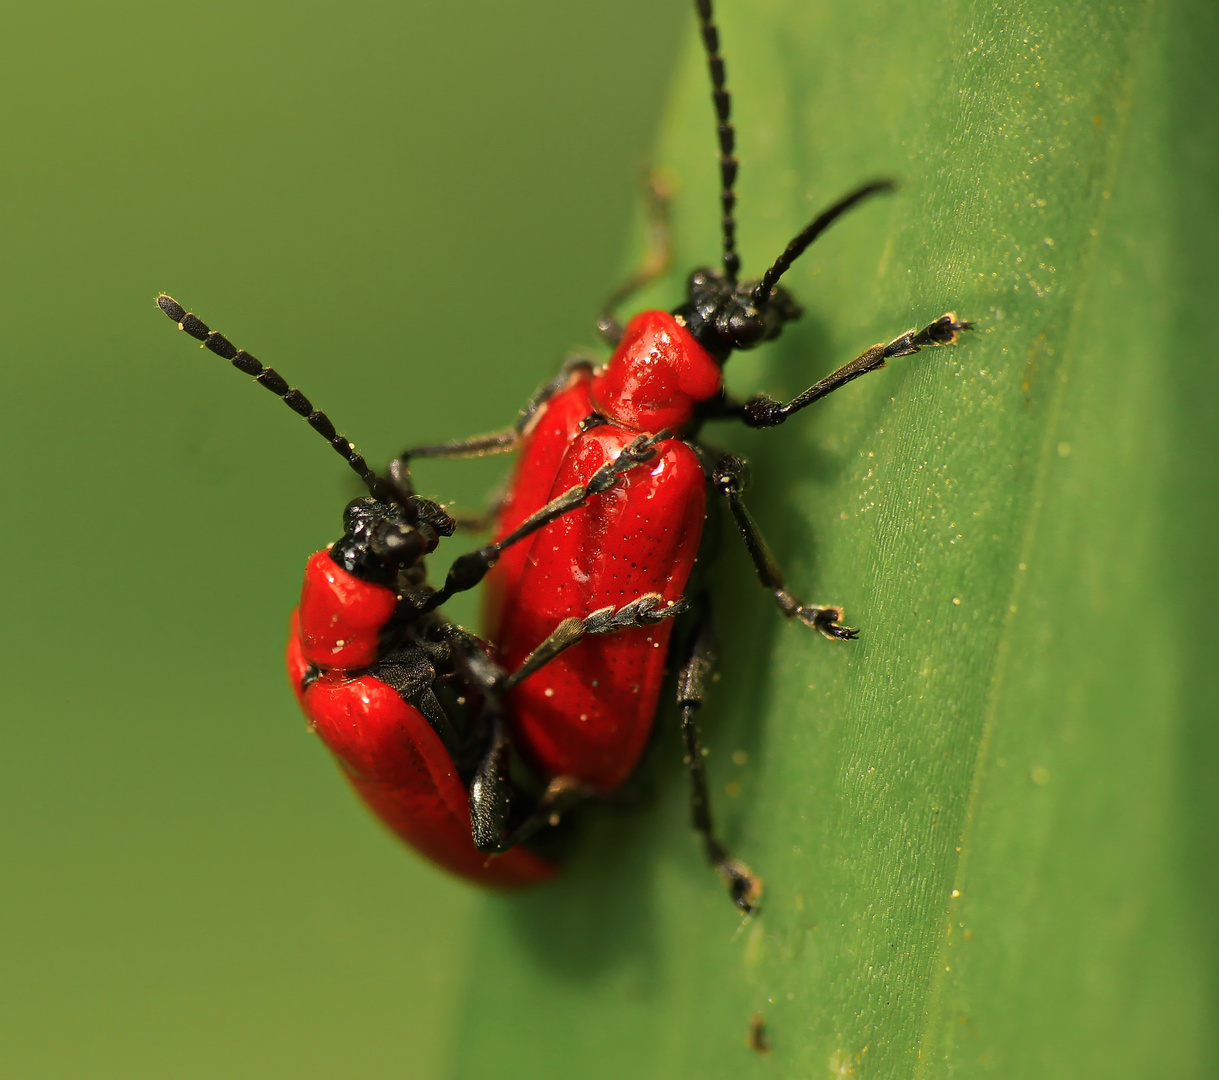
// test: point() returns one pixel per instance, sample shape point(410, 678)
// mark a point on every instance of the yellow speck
point(1064, 449)
point(732, 789)
point(1040, 775)
point(739, 757)
point(842, 1064)
point(956, 600)
point(955, 894)
point(549, 691)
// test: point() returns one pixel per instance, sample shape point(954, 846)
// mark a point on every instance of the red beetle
point(407, 702)
point(591, 715)
point(386, 725)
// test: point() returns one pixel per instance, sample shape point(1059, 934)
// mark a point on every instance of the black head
point(384, 539)
point(722, 315)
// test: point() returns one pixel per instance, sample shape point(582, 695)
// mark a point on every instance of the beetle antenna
point(761, 294)
point(725, 133)
point(273, 381)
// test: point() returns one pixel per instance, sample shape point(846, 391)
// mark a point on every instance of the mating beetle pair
point(600, 530)
point(381, 675)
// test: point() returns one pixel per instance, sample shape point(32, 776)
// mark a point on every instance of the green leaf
point(986, 828)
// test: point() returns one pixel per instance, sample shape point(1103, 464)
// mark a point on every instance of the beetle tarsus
point(826, 621)
point(744, 886)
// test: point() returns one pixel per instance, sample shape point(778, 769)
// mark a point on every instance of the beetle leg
point(561, 794)
point(491, 799)
point(764, 411)
point(502, 441)
point(656, 258)
point(469, 569)
point(572, 363)
point(491, 788)
point(744, 886)
point(491, 794)
point(645, 610)
point(506, 439)
point(728, 476)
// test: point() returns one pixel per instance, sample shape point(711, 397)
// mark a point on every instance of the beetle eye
point(745, 326)
point(357, 512)
point(398, 544)
point(433, 515)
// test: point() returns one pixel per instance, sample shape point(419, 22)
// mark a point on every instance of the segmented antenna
point(725, 133)
point(273, 381)
point(760, 296)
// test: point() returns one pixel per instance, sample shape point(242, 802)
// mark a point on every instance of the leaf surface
point(983, 825)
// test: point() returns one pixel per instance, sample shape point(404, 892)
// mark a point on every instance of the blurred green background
point(412, 210)
point(988, 831)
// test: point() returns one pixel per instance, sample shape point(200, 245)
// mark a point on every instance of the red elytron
point(389, 751)
point(590, 715)
point(407, 702)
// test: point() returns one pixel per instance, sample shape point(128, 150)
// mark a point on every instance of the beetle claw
point(827, 621)
point(744, 886)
